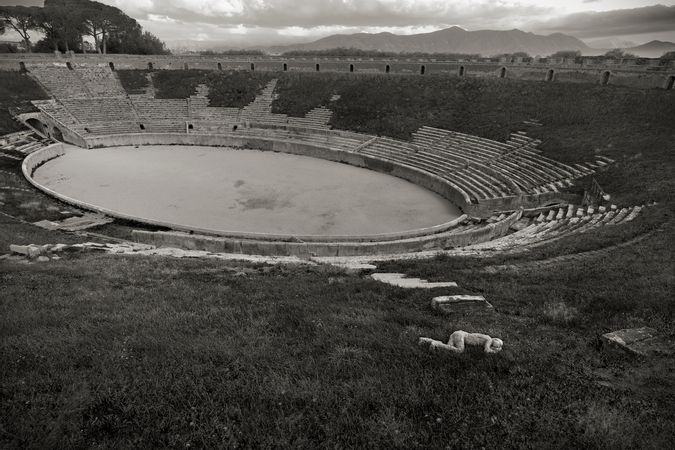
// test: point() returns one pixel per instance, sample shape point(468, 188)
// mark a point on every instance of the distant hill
point(652, 49)
point(449, 40)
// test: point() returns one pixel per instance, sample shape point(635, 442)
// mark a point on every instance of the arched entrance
point(57, 134)
point(285, 67)
point(550, 75)
point(351, 68)
point(605, 77)
point(462, 71)
point(502, 72)
point(387, 69)
point(38, 125)
point(670, 83)
point(422, 70)
point(318, 68)
point(220, 66)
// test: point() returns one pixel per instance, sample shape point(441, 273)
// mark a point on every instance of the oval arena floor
point(232, 190)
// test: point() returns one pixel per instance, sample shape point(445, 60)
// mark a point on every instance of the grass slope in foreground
point(121, 351)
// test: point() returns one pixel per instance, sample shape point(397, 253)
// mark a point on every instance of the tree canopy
point(566, 54)
point(67, 24)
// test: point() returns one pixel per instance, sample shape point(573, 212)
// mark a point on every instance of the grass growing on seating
point(226, 88)
point(294, 105)
point(133, 81)
point(131, 351)
point(16, 91)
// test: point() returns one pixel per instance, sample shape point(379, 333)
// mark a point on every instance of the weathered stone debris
point(642, 341)
point(398, 279)
point(460, 303)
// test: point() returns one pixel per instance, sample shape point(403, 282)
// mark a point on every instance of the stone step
point(398, 279)
point(460, 303)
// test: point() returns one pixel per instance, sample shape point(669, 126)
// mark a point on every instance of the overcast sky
point(258, 22)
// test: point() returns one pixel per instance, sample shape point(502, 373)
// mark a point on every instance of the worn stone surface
point(460, 303)
point(47, 224)
point(355, 266)
point(398, 279)
point(643, 341)
point(20, 249)
point(43, 258)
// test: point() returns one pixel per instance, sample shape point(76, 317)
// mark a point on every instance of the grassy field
point(115, 352)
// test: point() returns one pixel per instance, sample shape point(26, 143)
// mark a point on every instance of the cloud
point(620, 22)
point(345, 13)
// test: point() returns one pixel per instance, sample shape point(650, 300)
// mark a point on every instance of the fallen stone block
point(643, 341)
point(58, 247)
point(398, 279)
point(47, 225)
point(20, 249)
point(34, 251)
point(460, 303)
point(43, 259)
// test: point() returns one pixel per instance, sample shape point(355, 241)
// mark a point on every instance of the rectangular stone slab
point(640, 341)
point(456, 303)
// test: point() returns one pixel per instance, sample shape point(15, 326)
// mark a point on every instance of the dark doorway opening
point(57, 134)
point(550, 75)
point(502, 72)
point(422, 70)
point(285, 67)
point(142, 126)
point(318, 68)
point(149, 66)
point(220, 66)
point(671, 81)
point(351, 68)
point(387, 69)
point(252, 67)
point(461, 71)
point(112, 66)
point(605, 77)
point(38, 126)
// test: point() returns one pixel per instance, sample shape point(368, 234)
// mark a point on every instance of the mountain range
point(449, 40)
point(458, 40)
point(652, 49)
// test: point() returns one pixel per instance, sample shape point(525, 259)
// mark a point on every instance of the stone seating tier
point(100, 81)
point(59, 81)
point(111, 109)
point(543, 231)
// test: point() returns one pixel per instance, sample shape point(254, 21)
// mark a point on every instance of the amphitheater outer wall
point(641, 73)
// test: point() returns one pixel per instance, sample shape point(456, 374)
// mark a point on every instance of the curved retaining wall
point(449, 239)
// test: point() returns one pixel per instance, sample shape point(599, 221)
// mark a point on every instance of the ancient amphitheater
point(509, 194)
point(203, 252)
